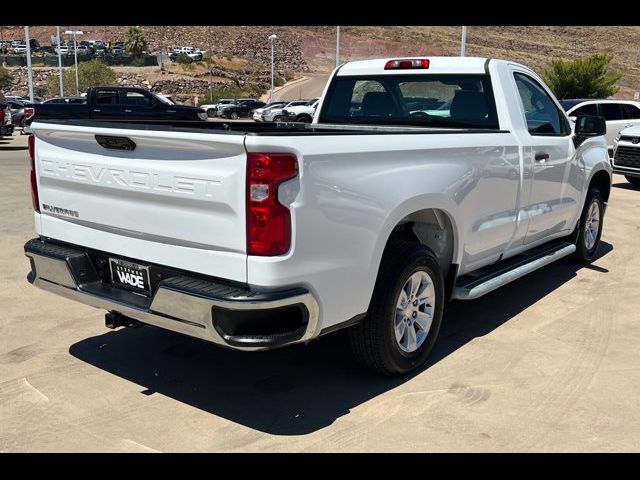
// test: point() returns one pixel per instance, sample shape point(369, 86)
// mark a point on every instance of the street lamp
point(463, 41)
point(273, 39)
point(75, 53)
point(337, 47)
point(59, 60)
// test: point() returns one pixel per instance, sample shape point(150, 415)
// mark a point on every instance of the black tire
point(373, 340)
point(584, 254)
point(277, 118)
point(635, 181)
point(211, 113)
point(303, 119)
point(234, 116)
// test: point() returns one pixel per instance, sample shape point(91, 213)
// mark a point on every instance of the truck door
point(140, 105)
point(556, 180)
point(105, 104)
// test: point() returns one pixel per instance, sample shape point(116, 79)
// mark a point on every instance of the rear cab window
point(432, 100)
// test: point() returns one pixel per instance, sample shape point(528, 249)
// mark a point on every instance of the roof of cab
point(436, 65)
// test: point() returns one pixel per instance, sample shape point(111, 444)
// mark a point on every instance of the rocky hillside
point(313, 48)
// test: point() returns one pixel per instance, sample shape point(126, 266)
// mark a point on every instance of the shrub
point(587, 77)
point(183, 59)
point(5, 78)
point(91, 73)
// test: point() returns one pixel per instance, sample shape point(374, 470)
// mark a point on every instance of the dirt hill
point(313, 48)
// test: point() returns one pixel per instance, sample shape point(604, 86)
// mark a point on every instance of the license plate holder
point(130, 276)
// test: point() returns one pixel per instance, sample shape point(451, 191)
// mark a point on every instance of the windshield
point(438, 100)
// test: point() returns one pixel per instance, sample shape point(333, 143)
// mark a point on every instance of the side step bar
point(486, 280)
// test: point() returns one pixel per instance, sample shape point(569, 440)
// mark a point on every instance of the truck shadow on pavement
point(625, 186)
point(299, 389)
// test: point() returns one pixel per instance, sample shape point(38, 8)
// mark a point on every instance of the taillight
point(34, 186)
point(1, 115)
point(28, 113)
point(415, 63)
point(268, 221)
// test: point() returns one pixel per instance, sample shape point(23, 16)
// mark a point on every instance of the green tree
point(587, 77)
point(134, 41)
point(90, 74)
point(5, 78)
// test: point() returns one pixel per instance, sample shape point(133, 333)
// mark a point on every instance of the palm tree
point(134, 41)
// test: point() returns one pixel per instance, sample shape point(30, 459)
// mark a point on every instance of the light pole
point(59, 61)
point(75, 54)
point(29, 72)
point(337, 46)
point(463, 41)
point(273, 39)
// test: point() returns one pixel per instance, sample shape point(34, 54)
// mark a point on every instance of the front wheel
point(405, 313)
point(635, 181)
point(278, 118)
point(590, 227)
point(234, 116)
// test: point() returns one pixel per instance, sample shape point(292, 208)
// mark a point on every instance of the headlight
point(202, 116)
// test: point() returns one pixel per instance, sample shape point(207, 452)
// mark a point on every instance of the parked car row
point(278, 111)
point(193, 54)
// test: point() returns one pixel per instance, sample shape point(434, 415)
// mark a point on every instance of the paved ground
point(549, 363)
point(311, 87)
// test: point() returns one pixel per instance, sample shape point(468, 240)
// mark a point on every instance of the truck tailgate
point(176, 198)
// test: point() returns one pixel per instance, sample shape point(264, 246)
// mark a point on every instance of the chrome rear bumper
point(184, 304)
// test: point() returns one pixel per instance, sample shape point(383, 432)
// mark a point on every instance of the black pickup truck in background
point(118, 103)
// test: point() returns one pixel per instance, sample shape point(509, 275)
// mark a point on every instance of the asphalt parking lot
point(548, 363)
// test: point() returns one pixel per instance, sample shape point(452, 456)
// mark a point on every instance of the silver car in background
point(276, 115)
point(258, 112)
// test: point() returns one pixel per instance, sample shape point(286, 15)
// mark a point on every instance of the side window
point(611, 111)
point(590, 109)
point(107, 97)
point(633, 112)
point(137, 99)
point(543, 117)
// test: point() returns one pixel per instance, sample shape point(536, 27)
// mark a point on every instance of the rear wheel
point(211, 113)
point(590, 227)
point(303, 119)
point(234, 116)
point(277, 118)
point(405, 312)
point(635, 181)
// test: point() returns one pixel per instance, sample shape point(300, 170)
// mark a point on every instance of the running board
point(485, 280)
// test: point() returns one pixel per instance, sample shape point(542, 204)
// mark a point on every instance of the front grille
point(627, 157)
point(626, 138)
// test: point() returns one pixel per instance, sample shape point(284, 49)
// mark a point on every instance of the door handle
point(127, 111)
point(96, 110)
point(541, 157)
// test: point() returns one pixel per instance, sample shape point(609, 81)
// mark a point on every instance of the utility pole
point(29, 72)
point(463, 41)
point(4, 60)
point(59, 61)
point(337, 46)
point(273, 39)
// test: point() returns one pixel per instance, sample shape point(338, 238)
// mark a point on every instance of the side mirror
point(573, 118)
point(590, 126)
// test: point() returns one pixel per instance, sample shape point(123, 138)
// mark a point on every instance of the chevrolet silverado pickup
point(255, 236)
point(119, 103)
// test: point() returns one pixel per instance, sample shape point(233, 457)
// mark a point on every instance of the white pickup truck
point(255, 236)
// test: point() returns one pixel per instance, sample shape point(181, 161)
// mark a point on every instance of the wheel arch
point(601, 179)
point(433, 226)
